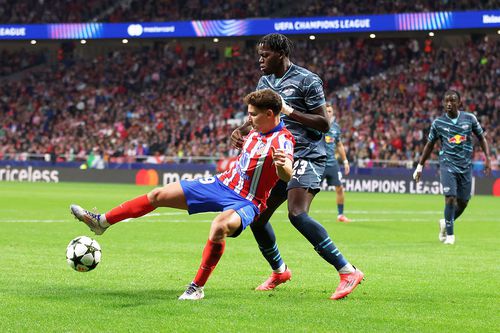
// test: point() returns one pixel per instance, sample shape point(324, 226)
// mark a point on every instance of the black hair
point(451, 91)
point(277, 43)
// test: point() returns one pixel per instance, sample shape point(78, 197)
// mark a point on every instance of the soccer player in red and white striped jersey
point(240, 193)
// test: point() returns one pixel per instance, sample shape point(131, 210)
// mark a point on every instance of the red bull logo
point(328, 139)
point(457, 139)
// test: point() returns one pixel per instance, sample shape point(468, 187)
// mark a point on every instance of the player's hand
point(347, 168)
point(285, 108)
point(487, 167)
point(279, 156)
point(417, 174)
point(237, 139)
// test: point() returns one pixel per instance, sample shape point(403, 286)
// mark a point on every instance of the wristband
point(346, 162)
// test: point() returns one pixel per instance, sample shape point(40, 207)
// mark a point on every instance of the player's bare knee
point(219, 230)
point(154, 196)
point(451, 200)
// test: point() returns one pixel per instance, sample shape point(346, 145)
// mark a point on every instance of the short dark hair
point(277, 43)
point(451, 91)
point(264, 99)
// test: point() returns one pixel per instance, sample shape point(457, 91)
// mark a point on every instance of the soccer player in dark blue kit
point(454, 130)
point(305, 117)
point(333, 174)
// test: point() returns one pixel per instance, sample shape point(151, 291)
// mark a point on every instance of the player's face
point(261, 120)
point(329, 113)
point(451, 104)
point(269, 60)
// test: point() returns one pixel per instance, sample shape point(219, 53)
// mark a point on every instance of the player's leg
point(170, 195)
point(299, 201)
point(449, 183)
point(339, 189)
point(266, 239)
point(464, 188)
point(229, 223)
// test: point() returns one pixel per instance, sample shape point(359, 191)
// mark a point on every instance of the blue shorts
point(456, 184)
point(211, 195)
point(333, 175)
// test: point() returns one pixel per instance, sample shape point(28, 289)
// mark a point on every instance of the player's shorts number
point(207, 180)
point(299, 167)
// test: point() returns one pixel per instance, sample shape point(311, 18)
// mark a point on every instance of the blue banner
point(255, 27)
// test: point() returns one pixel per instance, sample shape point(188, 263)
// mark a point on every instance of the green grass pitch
point(413, 282)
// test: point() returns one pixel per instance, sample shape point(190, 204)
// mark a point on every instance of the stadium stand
point(61, 11)
point(171, 102)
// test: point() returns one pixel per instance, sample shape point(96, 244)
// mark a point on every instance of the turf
point(413, 282)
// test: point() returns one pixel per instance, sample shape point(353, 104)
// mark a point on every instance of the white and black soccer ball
point(83, 254)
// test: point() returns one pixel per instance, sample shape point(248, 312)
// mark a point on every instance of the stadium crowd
point(61, 11)
point(177, 101)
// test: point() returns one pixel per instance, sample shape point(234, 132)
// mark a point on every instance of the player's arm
point(283, 164)
point(316, 119)
point(486, 148)
point(343, 156)
point(239, 133)
point(425, 155)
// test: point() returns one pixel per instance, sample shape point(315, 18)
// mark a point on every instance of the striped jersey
point(303, 91)
point(456, 140)
point(254, 174)
point(332, 137)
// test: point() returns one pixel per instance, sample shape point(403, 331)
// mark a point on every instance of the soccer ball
point(83, 254)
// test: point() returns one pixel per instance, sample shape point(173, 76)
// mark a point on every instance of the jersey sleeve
point(433, 133)
point(476, 127)
point(261, 84)
point(338, 134)
point(314, 96)
point(286, 143)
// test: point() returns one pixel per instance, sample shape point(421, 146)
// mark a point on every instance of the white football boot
point(450, 240)
point(442, 230)
point(192, 293)
point(92, 220)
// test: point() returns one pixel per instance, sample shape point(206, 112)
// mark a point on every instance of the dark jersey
point(331, 140)
point(303, 91)
point(456, 140)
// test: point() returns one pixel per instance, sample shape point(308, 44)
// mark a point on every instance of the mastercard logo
point(496, 188)
point(146, 177)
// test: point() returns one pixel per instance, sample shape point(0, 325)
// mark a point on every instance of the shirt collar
point(277, 128)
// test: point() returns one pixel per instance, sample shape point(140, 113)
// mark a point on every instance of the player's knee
point(219, 230)
point(155, 196)
point(451, 201)
point(339, 189)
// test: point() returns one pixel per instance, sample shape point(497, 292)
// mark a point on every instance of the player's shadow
point(110, 298)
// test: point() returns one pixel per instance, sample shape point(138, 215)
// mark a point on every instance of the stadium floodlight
point(33, 42)
point(372, 36)
point(312, 37)
point(216, 40)
point(431, 34)
point(124, 41)
point(83, 41)
point(498, 32)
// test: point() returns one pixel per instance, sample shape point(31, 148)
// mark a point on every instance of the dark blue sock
point(264, 235)
point(340, 208)
point(459, 209)
point(318, 237)
point(449, 217)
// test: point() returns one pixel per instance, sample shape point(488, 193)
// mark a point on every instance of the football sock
point(134, 208)
point(280, 269)
point(449, 217)
point(266, 239)
point(340, 208)
point(458, 211)
point(211, 254)
point(347, 269)
point(318, 237)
